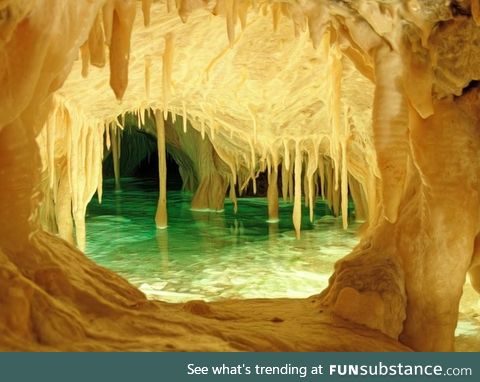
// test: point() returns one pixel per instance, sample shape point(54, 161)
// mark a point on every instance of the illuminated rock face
point(367, 96)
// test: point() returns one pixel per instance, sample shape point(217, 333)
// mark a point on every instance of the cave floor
point(234, 325)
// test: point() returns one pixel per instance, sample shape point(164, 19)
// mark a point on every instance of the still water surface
point(213, 255)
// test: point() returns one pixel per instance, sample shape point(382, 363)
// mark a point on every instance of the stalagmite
point(161, 215)
point(272, 196)
point(123, 18)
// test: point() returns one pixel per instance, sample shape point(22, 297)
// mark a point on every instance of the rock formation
point(374, 98)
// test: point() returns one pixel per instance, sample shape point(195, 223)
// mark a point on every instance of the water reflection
point(162, 245)
point(212, 255)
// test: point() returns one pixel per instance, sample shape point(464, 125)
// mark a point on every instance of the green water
point(208, 255)
point(213, 256)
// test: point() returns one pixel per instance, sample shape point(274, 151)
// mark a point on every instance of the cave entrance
point(233, 252)
point(139, 159)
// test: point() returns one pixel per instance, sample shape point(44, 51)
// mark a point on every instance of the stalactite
point(123, 18)
point(305, 188)
point(336, 200)
point(243, 11)
point(146, 5)
point(167, 67)
point(312, 166)
point(475, 6)
point(390, 128)
point(297, 206)
point(335, 111)
point(85, 53)
point(372, 197)
point(172, 5)
point(276, 14)
point(100, 187)
point(318, 21)
point(139, 122)
point(321, 174)
point(107, 136)
point(272, 196)
point(72, 158)
point(148, 68)
point(254, 123)
point(50, 130)
point(161, 215)
point(107, 13)
point(231, 20)
point(286, 155)
point(298, 18)
point(202, 129)
point(285, 176)
point(184, 108)
point(63, 206)
point(291, 185)
point(329, 184)
point(96, 43)
point(344, 185)
point(116, 142)
point(418, 83)
point(358, 198)
point(212, 132)
point(233, 195)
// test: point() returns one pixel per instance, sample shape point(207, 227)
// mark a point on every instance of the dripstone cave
point(135, 133)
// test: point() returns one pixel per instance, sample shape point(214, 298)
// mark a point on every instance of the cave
point(297, 116)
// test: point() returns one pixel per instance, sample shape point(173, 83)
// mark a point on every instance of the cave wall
point(386, 106)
